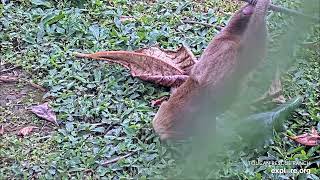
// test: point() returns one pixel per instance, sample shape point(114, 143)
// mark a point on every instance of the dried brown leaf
point(159, 101)
point(26, 130)
point(182, 58)
point(45, 112)
point(1, 129)
point(274, 93)
point(163, 67)
point(308, 139)
point(126, 18)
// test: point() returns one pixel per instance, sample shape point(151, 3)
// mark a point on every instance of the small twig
point(313, 158)
point(37, 86)
point(8, 79)
point(11, 105)
point(266, 96)
point(7, 70)
point(2, 63)
point(202, 23)
point(44, 137)
point(80, 170)
point(310, 44)
point(117, 159)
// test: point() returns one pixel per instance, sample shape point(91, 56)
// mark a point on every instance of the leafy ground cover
point(103, 112)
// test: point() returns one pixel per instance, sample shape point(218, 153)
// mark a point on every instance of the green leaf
point(69, 126)
point(45, 3)
point(97, 75)
point(53, 18)
point(99, 129)
point(80, 79)
point(276, 117)
point(95, 31)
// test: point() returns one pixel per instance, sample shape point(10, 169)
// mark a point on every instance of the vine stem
point(287, 11)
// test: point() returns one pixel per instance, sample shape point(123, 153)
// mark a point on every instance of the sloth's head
point(248, 10)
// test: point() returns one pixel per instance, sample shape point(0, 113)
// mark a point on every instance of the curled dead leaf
point(182, 59)
point(1, 129)
point(45, 112)
point(126, 18)
point(159, 101)
point(163, 67)
point(308, 139)
point(274, 92)
point(26, 130)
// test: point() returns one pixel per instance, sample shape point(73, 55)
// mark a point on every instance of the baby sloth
point(214, 79)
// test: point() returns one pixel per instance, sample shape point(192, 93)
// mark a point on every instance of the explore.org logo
point(277, 166)
point(290, 171)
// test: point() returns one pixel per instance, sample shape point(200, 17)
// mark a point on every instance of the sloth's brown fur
point(237, 49)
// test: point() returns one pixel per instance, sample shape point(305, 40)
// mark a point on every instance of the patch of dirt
point(16, 97)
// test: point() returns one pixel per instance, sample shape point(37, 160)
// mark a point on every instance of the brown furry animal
point(237, 49)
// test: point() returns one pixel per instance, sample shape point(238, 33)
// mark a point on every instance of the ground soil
point(16, 97)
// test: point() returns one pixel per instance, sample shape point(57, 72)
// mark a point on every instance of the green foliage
point(105, 113)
